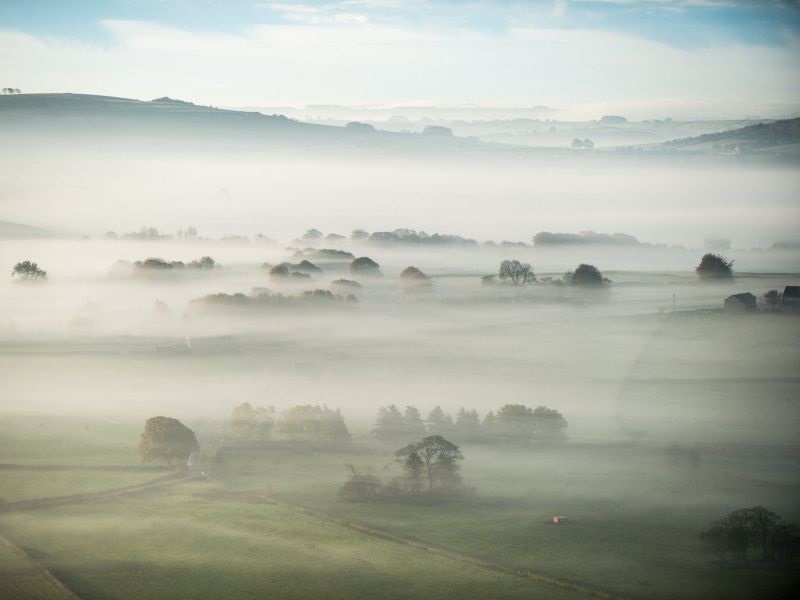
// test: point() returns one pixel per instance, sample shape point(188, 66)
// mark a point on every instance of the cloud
point(327, 14)
point(354, 62)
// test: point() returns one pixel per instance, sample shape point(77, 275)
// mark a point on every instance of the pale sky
point(681, 58)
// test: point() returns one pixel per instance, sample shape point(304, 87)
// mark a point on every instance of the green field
point(195, 542)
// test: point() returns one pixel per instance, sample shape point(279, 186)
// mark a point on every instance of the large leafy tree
point(516, 272)
point(757, 526)
point(714, 266)
point(434, 460)
point(585, 275)
point(166, 440)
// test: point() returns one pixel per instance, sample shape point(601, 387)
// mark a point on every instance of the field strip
point(158, 482)
point(528, 574)
point(44, 571)
point(60, 467)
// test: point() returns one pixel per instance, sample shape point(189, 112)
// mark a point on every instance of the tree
point(433, 460)
point(761, 522)
point(585, 275)
point(412, 423)
point(362, 486)
point(365, 266)
point(438, 421)
point(389, 424)
point(714, 266)
point(28, 271)
point(518, 424)
point(312, 235)
point(206, 262)
point(468, 424)
point(309, 423)
point(548, 423)
point(168, 440)
point(413, 274)
point(516, 272)
point(358, 235)
point(772, 299)
point(252, 423)
point(755, 526)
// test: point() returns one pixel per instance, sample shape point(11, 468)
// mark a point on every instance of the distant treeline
point(299, 423)
point(265, 299)
point(511, 424)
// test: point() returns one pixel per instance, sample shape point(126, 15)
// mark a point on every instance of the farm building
point(739, 303)
point(790, 301)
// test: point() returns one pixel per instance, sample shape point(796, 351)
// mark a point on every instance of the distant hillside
point(18, 231)
point(71, 118)
point(761, 135)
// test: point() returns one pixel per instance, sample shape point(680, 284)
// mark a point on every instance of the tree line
point(298, 423)
point(512, 424)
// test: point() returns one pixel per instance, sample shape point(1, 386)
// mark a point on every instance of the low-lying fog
point(499, 196)
point(617, 362)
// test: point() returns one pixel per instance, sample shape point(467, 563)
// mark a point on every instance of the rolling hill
point(105, 120)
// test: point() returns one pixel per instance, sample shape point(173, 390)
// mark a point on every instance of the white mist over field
point(498, 300)
point(479, 197)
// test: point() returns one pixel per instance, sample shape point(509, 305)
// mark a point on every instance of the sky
point(584, 58)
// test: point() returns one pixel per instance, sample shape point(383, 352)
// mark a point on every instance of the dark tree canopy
point(413, 274)
point(755, 527)
point(433, 461)
point(585, 275)
point(29, 271)
point(516, 272)
point(365, 266)
point(518, 424)
point(714, 266)
point(166, 440)
point(312, 234)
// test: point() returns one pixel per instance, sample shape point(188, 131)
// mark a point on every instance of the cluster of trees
point(7, 91)
point(159, 264)
point(714, 266)
point(299, 423)
point(315, 236)
point(429, 466)
point(28, 271)
point(545, 238)
point(586, 144)
point(167, 440)
point(515, 272)
point(410, 237)
point(285, 270)
point(513, 423)
point(264, 299)
point(753, 528)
